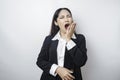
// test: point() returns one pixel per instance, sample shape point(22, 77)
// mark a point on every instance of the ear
point(55, 23)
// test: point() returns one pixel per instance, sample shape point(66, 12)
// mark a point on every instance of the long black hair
point(54, 28)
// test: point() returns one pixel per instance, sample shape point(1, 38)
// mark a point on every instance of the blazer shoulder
point(80, 36)
point(47, 39)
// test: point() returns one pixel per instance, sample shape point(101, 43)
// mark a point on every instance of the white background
point(25, 23)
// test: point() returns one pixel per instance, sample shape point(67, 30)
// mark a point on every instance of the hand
point(70, 31)
point(64, 73)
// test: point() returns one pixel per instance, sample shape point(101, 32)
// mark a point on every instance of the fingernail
point(71, 72)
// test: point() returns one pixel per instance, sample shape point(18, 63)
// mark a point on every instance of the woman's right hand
point(64, 73)
point(70, 31)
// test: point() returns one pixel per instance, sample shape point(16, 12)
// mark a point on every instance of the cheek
point(61, 26)
point(71, 20)
point(60, 23)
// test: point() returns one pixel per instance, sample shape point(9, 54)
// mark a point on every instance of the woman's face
point(64, 20)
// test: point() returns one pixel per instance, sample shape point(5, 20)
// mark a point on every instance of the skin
point(64, 18)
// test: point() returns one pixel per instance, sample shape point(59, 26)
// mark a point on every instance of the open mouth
point(66, 26)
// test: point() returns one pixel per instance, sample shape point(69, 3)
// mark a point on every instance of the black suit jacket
point(74, 58)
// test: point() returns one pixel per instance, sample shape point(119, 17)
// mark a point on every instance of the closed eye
point(68, 16)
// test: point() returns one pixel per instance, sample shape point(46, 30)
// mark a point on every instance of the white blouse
point(61, 51)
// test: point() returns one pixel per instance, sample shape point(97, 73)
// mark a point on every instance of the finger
point(68, 77)
point(71, 76)
point(68, 29)
point(72, 28)
point(69, 71)
point(73, 25)
point(65, 78)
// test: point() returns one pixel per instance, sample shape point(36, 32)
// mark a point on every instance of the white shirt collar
point(57, 36)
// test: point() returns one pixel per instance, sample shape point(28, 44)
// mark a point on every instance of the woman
point(63, 51)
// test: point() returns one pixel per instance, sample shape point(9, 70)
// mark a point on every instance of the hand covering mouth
point(66, 26)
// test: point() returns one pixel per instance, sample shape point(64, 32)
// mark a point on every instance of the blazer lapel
point(75, 40)
point(53, 51)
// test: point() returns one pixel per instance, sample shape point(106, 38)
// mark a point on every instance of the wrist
point(57, 70)
point(68, 39)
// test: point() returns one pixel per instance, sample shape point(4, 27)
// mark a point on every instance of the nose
point(66, 19)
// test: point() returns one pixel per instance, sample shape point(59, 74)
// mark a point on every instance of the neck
point(62, 34)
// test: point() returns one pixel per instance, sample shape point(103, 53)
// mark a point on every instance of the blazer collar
point(57, 36)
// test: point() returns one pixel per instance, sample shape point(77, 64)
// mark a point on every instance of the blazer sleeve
point(79, 52)
point(43, 57)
